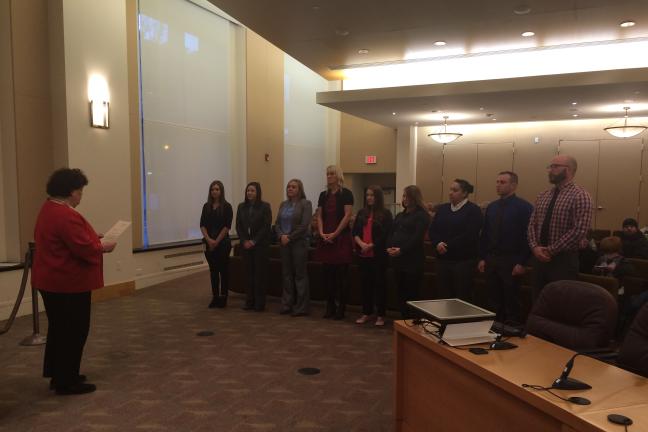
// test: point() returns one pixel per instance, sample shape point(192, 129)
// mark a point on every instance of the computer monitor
point(448, 311)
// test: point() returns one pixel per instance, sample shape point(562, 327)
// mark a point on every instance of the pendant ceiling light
point(445, 137)
point(625, 131)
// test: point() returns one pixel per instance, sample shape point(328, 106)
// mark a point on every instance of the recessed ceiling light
point(393, 113)
point(521, 9)
point(528, 34)
point(627, 24)
point(342, 32)
point(628, 101)
point(574, 103)
point(481, 108)
point(440, 43)
point(494, 119)
point(363, 51)
point(574, 115)
point(166, 147)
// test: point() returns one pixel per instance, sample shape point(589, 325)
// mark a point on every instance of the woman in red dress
point(335, 249)
point(68, 265)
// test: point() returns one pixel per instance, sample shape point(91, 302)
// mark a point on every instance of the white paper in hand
point(117, 230)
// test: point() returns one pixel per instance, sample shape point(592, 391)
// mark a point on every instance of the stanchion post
point(35, 338)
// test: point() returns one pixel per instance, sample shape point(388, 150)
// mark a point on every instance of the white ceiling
point(312, 31)
point(597, 95)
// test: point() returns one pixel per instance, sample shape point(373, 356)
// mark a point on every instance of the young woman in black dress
point(215, 223)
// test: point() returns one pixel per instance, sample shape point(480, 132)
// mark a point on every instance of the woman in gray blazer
point(293, 229)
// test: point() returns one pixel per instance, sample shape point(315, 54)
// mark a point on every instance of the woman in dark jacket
point(405, 246)
point(334, 249)
point(215, 224)
point(370, 230)
point(293, 231)
point(455, 235)
point(253, 225)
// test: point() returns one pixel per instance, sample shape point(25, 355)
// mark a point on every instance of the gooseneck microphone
point(564, 382)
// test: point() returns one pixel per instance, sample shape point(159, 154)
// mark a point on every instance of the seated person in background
point(314, 235)
point(611, 262)
point(635, 244)
point(587, 255)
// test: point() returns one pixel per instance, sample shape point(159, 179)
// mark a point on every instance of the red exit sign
point(370, 159)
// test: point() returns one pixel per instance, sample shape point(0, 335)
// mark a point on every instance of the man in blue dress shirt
point(504, 248)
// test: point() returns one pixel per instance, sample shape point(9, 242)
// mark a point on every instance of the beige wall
point(34, 162)
point(95, 43)
point(358, 138)
point(485, 150)
point(7, 141)
point(265, 119)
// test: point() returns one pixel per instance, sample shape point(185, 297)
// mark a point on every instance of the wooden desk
point(439, 388)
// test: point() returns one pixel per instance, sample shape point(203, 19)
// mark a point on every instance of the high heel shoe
point(363, 319)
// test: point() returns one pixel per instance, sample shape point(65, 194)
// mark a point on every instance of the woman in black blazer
point(253, 220)
point(293, 231)
point(405, 247)
point(370, 230)
point(455, 235)
point(215, 223)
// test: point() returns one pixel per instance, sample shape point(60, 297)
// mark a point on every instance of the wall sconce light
point(99, 102)
point(99, 114)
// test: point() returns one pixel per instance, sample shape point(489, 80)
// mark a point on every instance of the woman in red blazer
point(68, 265)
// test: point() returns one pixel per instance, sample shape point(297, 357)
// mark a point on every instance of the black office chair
point(633, 354)
point(574, 314)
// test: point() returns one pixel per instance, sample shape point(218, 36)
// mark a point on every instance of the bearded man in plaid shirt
point(560, 220)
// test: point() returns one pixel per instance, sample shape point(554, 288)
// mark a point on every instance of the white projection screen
point(185, 57)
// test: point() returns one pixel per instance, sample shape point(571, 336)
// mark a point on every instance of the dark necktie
point(546, 223)
point(497, 226)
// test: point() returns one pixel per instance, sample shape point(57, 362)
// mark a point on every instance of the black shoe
point(330, 311)
point(339, 316)
point(80, 379)
point(221, 302)
point(298, 314)
point(78, 388)
point(261, 309)
point(285, 311)
point(247, 308)
point(213, 304)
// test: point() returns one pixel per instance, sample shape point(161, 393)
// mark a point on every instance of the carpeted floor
point(154, 373)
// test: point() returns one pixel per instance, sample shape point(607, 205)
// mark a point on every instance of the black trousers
point(336, 279)
point(503, 288)
point(218, 261)
point(563, 266)
point(256, 262)
point(408, 285)
point(374, 288)
point(455, 278)
point(68, 316)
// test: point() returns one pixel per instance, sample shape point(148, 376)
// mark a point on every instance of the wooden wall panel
point(358, 138)
point(586, 153)
point(429, 166)
point(492, 158)
point(265, 119)
point(459, 162)
point(619, 176)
